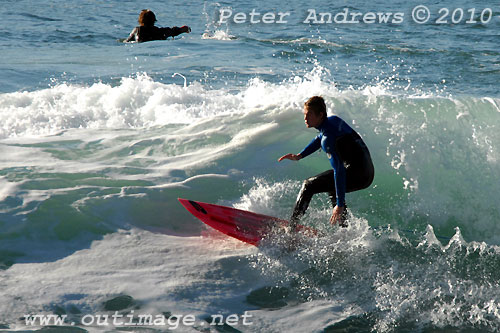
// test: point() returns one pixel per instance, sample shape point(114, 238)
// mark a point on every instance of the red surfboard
point(246, 226)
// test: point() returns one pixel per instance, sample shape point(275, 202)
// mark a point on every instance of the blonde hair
point(316, 104)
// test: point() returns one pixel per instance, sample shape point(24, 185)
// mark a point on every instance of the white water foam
point(218, 35)
point(137, 103)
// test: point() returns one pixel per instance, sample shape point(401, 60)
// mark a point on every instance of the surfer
point(350, 159)
point(147, 31)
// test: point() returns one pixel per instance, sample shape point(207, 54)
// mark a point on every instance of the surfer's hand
point(293, 157)
point(337, 215)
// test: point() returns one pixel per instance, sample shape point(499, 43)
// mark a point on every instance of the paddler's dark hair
point(147, 18)
point(317, 105)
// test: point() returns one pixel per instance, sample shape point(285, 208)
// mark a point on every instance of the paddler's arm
point(175, 31)
point(133, 36)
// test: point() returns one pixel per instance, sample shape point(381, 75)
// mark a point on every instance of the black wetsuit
point(148, 33)
point(352, 167)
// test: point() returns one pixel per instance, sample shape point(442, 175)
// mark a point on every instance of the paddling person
point(147, 31)
point(350, 159)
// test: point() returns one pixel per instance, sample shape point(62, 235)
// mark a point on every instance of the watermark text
point(135, 320)
point(419, 14)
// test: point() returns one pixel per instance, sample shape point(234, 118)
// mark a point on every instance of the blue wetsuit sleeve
point(339, 173)
point(313, 146)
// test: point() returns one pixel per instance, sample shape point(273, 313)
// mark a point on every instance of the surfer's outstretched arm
point(293, 157)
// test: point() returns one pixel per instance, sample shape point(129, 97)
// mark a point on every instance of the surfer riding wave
point(352, 167)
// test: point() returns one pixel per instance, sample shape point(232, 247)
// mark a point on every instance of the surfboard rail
point(246, 226)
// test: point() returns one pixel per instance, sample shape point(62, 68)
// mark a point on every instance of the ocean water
point(99, 138)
